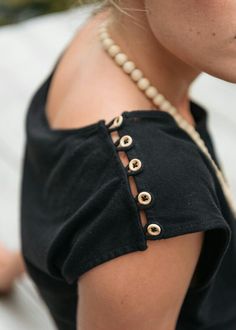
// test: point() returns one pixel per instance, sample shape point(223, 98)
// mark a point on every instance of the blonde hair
point(114, 5)
point(104, 4)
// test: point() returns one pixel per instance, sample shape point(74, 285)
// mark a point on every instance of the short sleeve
point(183, 185)
point(95, 216)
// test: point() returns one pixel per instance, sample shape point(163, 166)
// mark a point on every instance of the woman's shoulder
point(86, 85)
point(171, 184)
point(85, 189)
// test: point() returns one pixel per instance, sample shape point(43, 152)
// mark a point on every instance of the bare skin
point(172, 51)
point(125, 292)
point(11, 268)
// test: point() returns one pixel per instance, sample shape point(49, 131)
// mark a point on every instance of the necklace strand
point(162, 103)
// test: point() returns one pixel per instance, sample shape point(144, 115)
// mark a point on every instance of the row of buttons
point(143, 198)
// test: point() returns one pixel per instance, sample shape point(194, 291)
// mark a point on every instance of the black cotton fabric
point(77, 209)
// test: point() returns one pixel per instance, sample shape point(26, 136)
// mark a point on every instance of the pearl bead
point(143, 83)
point(128, 66)
point(184, 125)
point(158, 99)
point(205, 149)
point(165, 105)
point(195, 135)
point(208, 153)
point(177, 117)
point(136, 74)
point(190, 129)
point(172, 110)
point(102, 29)
point(201, 143)
point(113, 50)
point(151, 92)
point(104, 35)
point(107, 43)
point(121, 58)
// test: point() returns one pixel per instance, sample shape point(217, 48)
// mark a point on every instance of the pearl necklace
point(162, 103)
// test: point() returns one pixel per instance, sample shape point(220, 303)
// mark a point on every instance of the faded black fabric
point(77, 209)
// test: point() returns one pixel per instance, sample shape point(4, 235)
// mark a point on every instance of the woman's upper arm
point(141, 289)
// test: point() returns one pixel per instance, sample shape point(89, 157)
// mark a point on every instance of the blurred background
point(12, 11)
point(32, 36)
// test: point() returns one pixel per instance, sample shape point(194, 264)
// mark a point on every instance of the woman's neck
point(171, 76)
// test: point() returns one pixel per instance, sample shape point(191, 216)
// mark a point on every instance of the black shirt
point(77, 209)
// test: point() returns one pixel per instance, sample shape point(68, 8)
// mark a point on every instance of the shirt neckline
point(199, 114)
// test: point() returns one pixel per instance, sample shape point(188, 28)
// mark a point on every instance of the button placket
point(144, 199)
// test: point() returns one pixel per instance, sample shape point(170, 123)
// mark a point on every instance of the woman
point(118, 159)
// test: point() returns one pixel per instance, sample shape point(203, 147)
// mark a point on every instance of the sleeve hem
point(72, 275)
point(185, 228)
point(218, 231)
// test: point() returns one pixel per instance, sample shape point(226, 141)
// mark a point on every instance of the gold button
point(135, 164)
point(126, 141)
point(118, 121)
point(144, 198)
point(153, 229)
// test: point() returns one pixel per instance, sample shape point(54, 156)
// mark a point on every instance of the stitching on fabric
point(219, 220)
point(150, 213)
point(128, 248)
point(104, 133)
point(120, 170)
point(127, 183)
point(184, 225)
point(194, 225)
point(99, 258)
